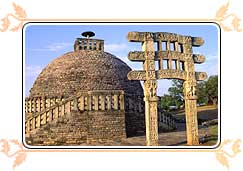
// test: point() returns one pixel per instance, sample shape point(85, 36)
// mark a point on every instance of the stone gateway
point(179, 60)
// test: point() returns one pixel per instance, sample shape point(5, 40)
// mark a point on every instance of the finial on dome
point(87, 43)
point(88, 34)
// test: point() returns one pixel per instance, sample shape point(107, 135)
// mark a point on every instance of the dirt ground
point(208, 135)
point(178, 137)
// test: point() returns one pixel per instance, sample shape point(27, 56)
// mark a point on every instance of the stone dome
point(84, 70)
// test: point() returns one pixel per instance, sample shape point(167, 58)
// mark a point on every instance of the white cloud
point(115, 47)
point(53, 47)
point(32, 71)
point(210, 66)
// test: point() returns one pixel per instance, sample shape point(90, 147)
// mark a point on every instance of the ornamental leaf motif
point(19, 15)
point(236, 147)
point(236, 24)
point(226, 28)
point(222, 16)
point(5, 147)
point(223, 156)
point(19, 159)
point(18, 156)
point(222, 11)
point(222, 159)
point(19, 11)
point(5, 24)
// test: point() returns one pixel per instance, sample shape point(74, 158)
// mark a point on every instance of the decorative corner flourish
point(222, 16)
point(19, 15)
point(223, 156)
point(19, 155)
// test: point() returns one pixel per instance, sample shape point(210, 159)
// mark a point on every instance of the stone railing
point(38, 104)
point(135, 103)
point(166, 120)
point(84, 101)
point(88, 44)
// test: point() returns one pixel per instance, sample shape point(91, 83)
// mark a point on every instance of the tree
point(166, 101)
point(201, 93)
point(176, 92)
point(207, 93)
point(175, 96)
point(212, 89)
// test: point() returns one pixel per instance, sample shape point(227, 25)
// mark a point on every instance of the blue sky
point(44, 43)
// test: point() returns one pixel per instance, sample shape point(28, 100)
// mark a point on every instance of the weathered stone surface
point(177, 51)
point(200, 76)
point(164, 36)
point(198, 59)
point(84, 70)
point(84, 97)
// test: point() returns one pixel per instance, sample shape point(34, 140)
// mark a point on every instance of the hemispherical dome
point(84, 70)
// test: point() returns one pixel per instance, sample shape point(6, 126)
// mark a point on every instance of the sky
point(45, 42)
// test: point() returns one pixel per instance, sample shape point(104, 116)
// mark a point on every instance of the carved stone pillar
point(191, 113)
point(150, 88)
point(151, 120)
point(190, 97)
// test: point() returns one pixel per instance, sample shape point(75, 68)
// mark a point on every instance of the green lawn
point(212, 137)
point(205, 113)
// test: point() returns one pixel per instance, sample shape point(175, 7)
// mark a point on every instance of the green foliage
point(212, 89)
point(175, 97)
point(166, 101)
point(207, 92)
point(201, 93)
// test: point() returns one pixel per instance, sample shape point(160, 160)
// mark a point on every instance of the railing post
point(122, 103)
point(33, 123)
point(115, 102)
point(108, 98)
point(68, 107)
point(81, 103)
point(102, 102)
point(44, 119)
point(75, 103)
point(28, 126)
point(56, 111)
point(62, 110)
point(96, 102)
point(38, 121)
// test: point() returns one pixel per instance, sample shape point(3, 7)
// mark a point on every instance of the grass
point(205, 113)
point(213, 130)
point(212, 137)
